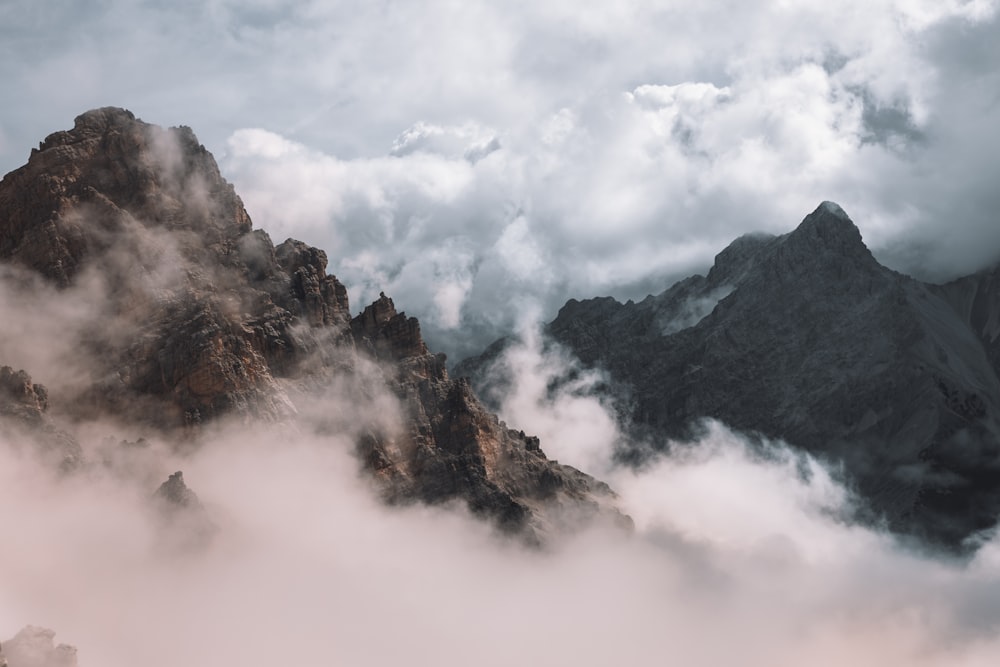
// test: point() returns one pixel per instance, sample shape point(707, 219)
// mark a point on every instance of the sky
point(480, 160)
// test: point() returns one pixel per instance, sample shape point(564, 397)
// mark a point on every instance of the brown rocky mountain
point(805, 337)
point(201, 317)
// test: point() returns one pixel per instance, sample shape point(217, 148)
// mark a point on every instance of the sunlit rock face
point(143, 214)
point(807, 338)
point(192, 316)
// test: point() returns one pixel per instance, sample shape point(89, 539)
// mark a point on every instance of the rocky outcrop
point(175, 495)
point(23, 407)
point(35, 647)
point(184, 521)
point(806, 338)
point(452, 447)
point(20, 398)
point(145, 211)
point(81, 188)
point(204, 317)
point(386, 333)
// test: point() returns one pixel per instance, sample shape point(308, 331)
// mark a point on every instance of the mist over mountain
point(193, 316)
point(201, 442)
point(806, 338)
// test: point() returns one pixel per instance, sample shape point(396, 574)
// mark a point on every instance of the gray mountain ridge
point(806, 338)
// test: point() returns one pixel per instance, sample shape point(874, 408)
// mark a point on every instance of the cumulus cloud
point(616, 148)
point(468, 141)
point(645, 172)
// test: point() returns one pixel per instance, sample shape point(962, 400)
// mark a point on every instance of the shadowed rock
point(805, 337)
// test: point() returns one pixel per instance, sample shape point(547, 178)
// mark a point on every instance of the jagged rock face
point(82, 186)
point(454, 448)
point(200, 305)
point(806, 338)
point(206, 317)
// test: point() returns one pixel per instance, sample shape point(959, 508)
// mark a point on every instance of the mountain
point(806, 338)
point(121, 241)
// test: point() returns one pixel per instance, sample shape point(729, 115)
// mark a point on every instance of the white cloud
point(635, 140)
point(468, 141)
point(731, 541)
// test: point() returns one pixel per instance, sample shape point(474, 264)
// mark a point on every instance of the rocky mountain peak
point(828, 230)
point(387, 333)
point(91, 124)
point(184, 521)
point(83, 186)
point(815, 343)
point(198, 317)
point(175, 492)
point(826, 246)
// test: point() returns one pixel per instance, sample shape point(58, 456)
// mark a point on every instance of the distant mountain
point(202, 317)
point(807, 338)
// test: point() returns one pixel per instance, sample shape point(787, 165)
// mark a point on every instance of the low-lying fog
point(737, 558)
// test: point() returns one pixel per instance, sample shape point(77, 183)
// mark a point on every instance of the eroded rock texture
point(200, 316)
point(452, 447)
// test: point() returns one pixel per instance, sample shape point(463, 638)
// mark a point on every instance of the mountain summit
point(155, 304)
point(805, 337)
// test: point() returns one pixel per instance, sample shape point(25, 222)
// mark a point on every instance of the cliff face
point(205, 317)
point(454, 447)
point(806, 338)
point(144, 213)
